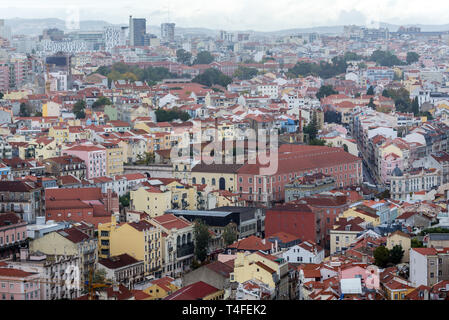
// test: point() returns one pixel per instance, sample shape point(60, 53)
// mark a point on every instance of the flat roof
point(220, 214)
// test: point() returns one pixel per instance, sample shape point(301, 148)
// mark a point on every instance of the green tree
point(25, 110)
point(100, 277)
point(1, 95)
point(183, 56)
point(370, 91)
point(245, 73)
point(412, 57)
point(125, 199)
point(229, 234)
point(371, 103)
point(325, 91)
point(212, 77)
point(312, 128)
point(415, 243)
point(345, 148)
point(396, 254)
point(170, 115)
point(78, 109)
point(202, 238)
point(204, 57)
point(381, 256)
point(101, 101)
point(317, 142)
point(415, 106)
point(385, 59)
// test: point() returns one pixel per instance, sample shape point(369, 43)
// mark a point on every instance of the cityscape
point(174, 162)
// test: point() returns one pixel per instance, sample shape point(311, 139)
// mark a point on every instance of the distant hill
point(36, 26)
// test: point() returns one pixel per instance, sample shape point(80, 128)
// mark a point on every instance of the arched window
point(203, 181)
point(184, 239)
point(213, 181)
point(189, 237)
point(194, 180)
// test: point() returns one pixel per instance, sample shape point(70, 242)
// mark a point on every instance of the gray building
point(168, 32)
point(137, 31)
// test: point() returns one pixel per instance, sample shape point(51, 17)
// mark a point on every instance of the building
point(137, 31)
point(94, 157)
point(308, 185)
point(13, 234)
point(403, 184)
point(168, 32)
point(305, 252)
point(141, 240)
point(82, 204)
point(197, 291)
point(58, 274)
point(216, 274)
point(428, 266)
point(399, 238)
point(344, 233)
point(19, 285)
point(262, 267)
point(70, 242)
point(64, 166)
point(23, 198)
point(152, 200)
point(122, 269)
point(177, 244)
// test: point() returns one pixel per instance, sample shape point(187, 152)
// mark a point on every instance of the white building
point(305, 252)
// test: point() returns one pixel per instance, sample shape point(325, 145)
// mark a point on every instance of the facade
point(65, 165)
point(152, 200)
point(402, 239)
point(428, 266)
point(122, 269)
point(305, 252)
point(404, 184)
point(94, 158)
point(13, 234)
point(168, 32)
point(23, 198)
point(19, 285)
point(70, 242)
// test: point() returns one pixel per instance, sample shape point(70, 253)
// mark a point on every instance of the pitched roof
point(14, 273)
point(119, 261)
point(73, 234)
point(194, 291)
point(251, 243)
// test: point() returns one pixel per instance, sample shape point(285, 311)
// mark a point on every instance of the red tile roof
point(14, 273)
point(194, 291)
point(251, 243)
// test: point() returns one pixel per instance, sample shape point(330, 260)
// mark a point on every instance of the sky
point(258, 15)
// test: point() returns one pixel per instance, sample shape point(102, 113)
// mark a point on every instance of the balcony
point(185, 250)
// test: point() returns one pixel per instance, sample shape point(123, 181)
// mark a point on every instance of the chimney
point(24, 253)
point(300, 122)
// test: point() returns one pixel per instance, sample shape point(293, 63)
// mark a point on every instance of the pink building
point(13, 233)
point(16, 284)
point(93, 156)
point(354, 271)
point(4, 76)
point(388, 163)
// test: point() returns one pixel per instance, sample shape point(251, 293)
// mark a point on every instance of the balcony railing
point(185, 250)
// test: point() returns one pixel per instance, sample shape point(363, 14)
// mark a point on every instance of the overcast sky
point(260, 15)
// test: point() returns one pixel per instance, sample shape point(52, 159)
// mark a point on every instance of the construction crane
point(92, 287)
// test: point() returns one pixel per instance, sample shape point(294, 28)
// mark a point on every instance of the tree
point(415, 243)
point(78, 109)
point(345, 148)
point(331, 116)
point(371, 103)
point(325, 91)
point(202, 238)
point(102, 101)
point(396, 254)
point(25, 110)
point(312, 128)
point(1, 95)
point(229, 234)
point(317, 142)
point(412, 57)
point(370, 91)
point(204, 57)
point(125, 199)
point(385, 59)
point(245, 73)
point(99, 276)
point(170, 115)
point(381, 256)
point(415, 106)
point(183, 56)
point(211, 77)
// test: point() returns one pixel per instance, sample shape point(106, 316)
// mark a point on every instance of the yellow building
point(45, 148)
point(216, 177)
point(183, 196)
point(397, 289)
point(152, 200)
point(160, 288)
point(344, 233)
point(114, 159)
point(262, 267)
point(141, 240)
point(51, 109)
point(363, 212)
point(59, 133)
point(402, 239)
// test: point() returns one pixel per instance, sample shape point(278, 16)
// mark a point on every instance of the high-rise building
point(5, 31)
point(168, 32)
point(137, 31)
